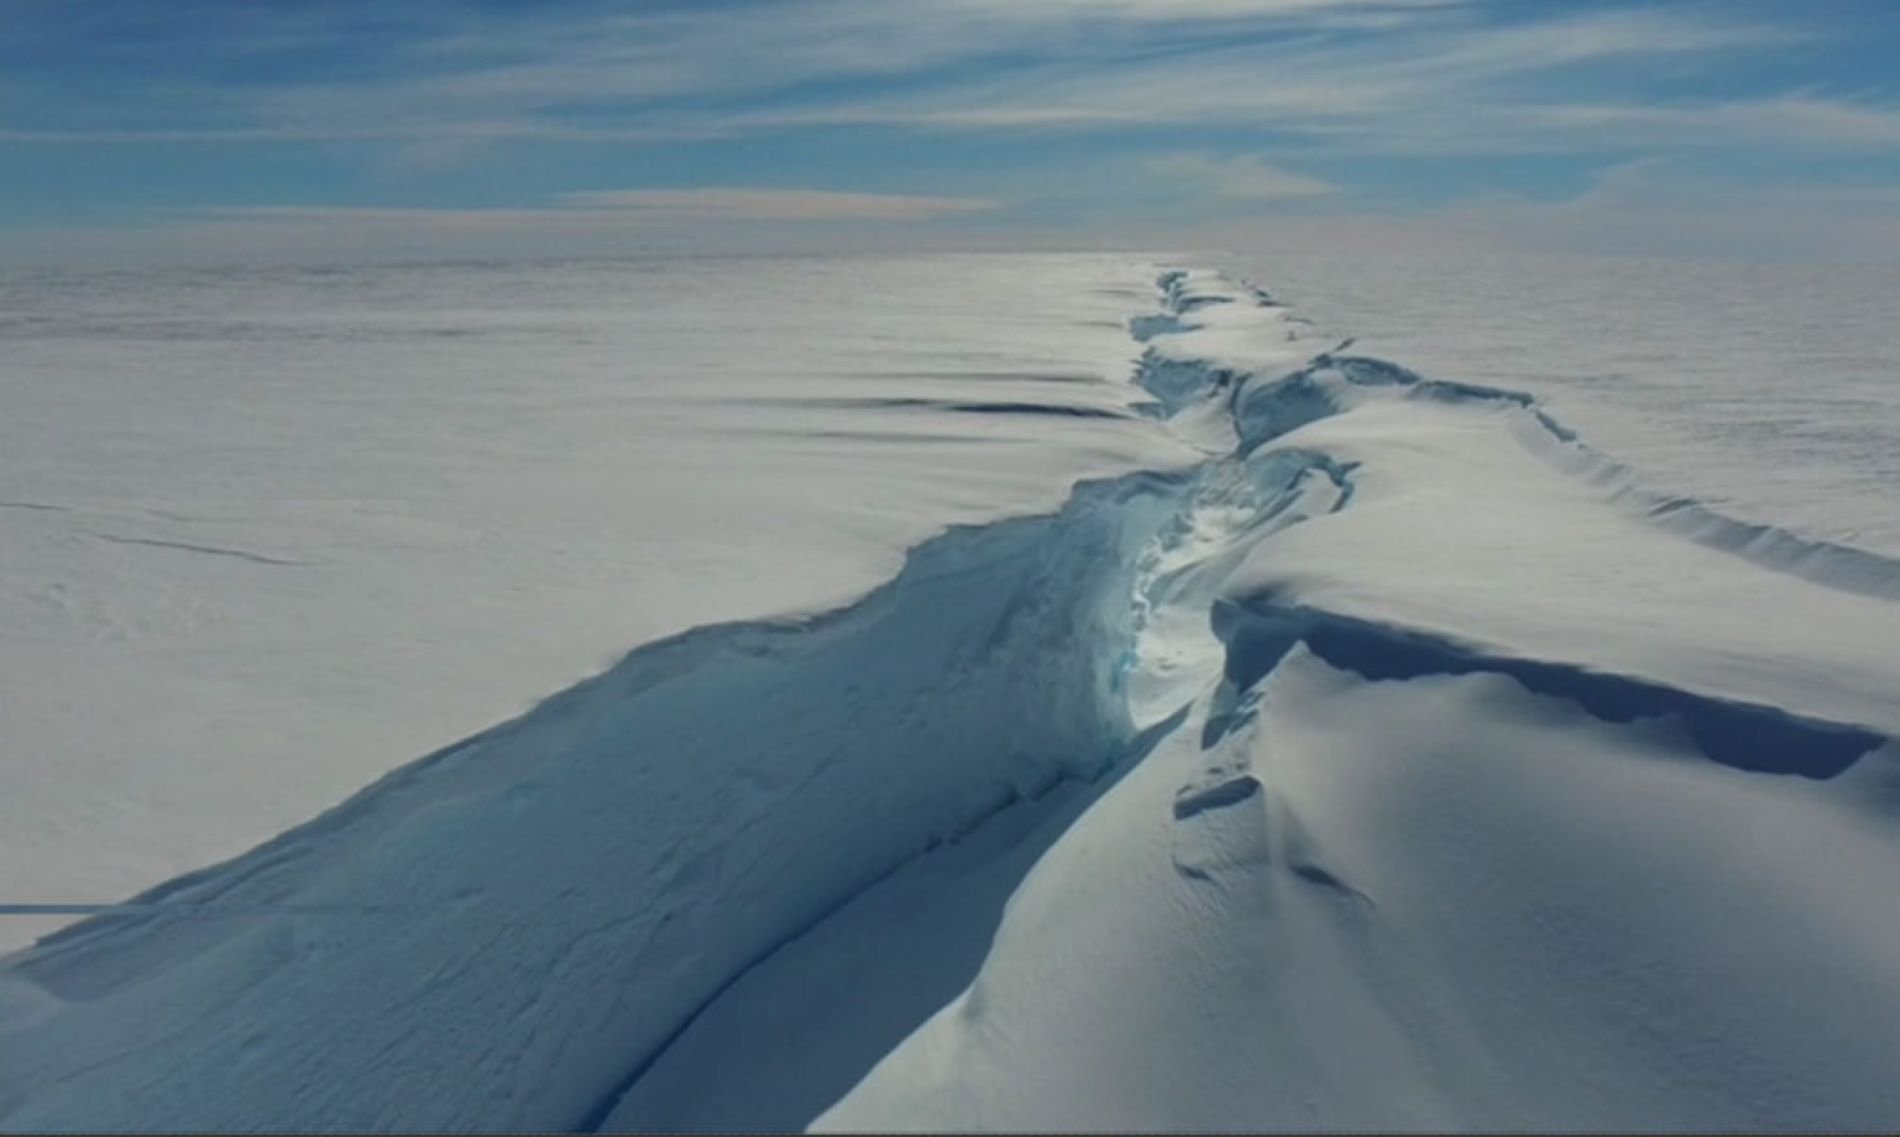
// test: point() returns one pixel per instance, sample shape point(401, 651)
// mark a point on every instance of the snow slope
point(1383, 758)
point(289, 529)
point(1507, 807)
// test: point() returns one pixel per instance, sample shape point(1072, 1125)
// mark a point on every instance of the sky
point(140, 129)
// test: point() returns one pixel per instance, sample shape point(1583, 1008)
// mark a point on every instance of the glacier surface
point(1353, 748)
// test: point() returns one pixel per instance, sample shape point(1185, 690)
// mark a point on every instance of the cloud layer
point(982, 113)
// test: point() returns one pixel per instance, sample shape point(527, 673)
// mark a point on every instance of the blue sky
point(153, 127)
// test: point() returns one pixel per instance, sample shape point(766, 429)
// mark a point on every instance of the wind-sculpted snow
point(1270, 401)
point(1396, 767)
point(1763, 739)
point(1481, 815)
point(1823, 562)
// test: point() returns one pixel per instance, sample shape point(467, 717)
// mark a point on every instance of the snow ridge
point(1747, 737)
point(1414, 863)
point(1266, 404)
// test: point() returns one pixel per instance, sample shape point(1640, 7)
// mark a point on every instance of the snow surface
point(1353, 749)
point(1766, 390)
point(266, 535)
point(1526, 812)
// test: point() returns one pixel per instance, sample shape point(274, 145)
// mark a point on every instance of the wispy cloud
point(594, 72)
point(720, 202)
point(1243, 177)
point(1446, 81)
point(960, 104)
point(604, 64)
point(1653, 207)
point(639, 208)
point(1372, 75)
point(1804, 120)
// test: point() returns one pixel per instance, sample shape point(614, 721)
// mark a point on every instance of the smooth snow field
point(1040, 692)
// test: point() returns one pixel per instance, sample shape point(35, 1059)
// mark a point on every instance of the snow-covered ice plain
point(269, 534)
point(1072, 693)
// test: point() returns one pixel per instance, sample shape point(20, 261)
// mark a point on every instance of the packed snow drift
point(1376, 754)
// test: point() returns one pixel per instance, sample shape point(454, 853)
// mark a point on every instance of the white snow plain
point(266, 535)
point(1352, 749)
